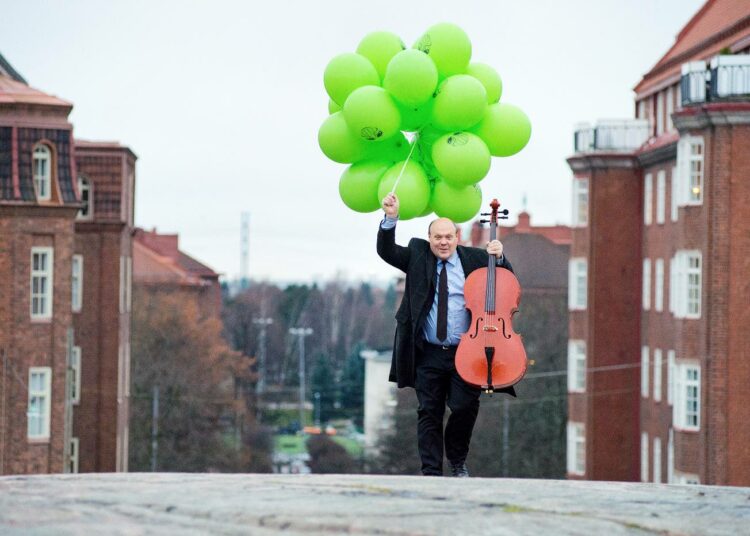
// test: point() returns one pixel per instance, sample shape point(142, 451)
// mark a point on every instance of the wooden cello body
point(491, 355)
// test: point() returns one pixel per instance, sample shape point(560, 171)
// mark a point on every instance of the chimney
point(524, 223)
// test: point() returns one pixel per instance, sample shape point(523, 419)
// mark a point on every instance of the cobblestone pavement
point(162, 503)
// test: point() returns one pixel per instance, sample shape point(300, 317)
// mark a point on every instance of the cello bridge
point(489, 328)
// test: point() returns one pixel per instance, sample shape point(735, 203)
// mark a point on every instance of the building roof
point(537, 262)
point(557, 234)
point(15, 90)
point(717, 25)
point(157, 259)
point(8, 70)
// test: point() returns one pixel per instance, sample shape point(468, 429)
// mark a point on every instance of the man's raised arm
point(395, 255)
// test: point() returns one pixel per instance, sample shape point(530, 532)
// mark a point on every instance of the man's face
point(443, 238)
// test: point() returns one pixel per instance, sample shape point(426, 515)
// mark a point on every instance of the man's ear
point(458, 233)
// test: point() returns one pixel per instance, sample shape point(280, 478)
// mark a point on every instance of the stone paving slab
point(173, 503)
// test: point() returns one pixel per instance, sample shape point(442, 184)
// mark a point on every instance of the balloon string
point(413, 145)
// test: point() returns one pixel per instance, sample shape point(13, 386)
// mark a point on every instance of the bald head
point(443, 235)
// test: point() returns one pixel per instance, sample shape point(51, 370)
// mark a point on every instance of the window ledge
point(38, 440)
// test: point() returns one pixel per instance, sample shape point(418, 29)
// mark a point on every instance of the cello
point(490, 354)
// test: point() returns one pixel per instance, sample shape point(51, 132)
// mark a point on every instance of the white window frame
point(646, 284)
point(644, 371)
point(580, 202)
point(128, 284)
point(661, 192)
point(577, 283)
point(648, 198)
point(75, 375)
point(87, 187)
point(644, 457)
point(42, 166)
point(74, 448)
point(657, 374)
point(659, 113)
point(659, 285)
point(122, 284)
point(692, 170)
point(670, 376)
point(576, 448)
point(576, 366)
point(673, 285)
point(670, 108)
point(686, 412)
point(688, 284)
point(76, 284)
point(41, 432)
point(670, 457)
point(673, 194)
point(657, 460)
point(40, 302)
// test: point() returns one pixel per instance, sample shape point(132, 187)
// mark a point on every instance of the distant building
point(66, 215)
point(659, 348)
point(380, 397)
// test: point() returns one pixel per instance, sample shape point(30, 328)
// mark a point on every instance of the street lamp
point(301, 333)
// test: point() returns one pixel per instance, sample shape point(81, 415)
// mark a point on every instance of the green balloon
point(333, 107)
point(358, 186)
point(371, 113)
point(460, 102)
point(459, 204)
point(448, 46)
point(505, 129)
point(411, 77)
point(414, 118)
point(413, 189)
point(379, 48)
point(461, 158)
point(489, 79)
point(394, 149)
point(338, 142)
point(347, 72)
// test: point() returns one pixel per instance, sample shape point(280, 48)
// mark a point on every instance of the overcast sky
point(222, 101)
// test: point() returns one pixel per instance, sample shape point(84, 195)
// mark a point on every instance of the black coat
point(419, 264)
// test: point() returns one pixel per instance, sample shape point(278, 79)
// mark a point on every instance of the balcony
point(619, 135)
point(727, 77)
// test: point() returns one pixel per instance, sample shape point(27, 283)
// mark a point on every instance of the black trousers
point(437, 382)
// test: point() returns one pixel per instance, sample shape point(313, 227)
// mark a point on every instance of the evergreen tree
point(323, 383)
point(352, 385)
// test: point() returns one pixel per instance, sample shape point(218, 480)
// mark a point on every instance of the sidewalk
point(162, 503)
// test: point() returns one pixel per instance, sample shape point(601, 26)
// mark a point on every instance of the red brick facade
point(96, 425)
point(633, 325)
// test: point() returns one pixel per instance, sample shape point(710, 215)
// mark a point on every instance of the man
point(428, 332)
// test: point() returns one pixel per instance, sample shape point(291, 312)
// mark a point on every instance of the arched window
point(43, 172)
point(84, 188)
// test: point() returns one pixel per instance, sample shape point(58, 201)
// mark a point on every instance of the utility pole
point(301, 333)
point(154, 427)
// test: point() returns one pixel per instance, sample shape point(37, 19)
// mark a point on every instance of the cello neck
point(489, 300)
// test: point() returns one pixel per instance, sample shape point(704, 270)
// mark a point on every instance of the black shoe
point(460, 470)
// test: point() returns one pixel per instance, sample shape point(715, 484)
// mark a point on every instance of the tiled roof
point(717, 25)
point(14, 92)
point(537, 262)
point(157, 259)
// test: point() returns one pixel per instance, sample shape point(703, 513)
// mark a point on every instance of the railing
point(611, 135)
point(727, 78)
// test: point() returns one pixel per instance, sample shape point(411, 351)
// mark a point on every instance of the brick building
point(66, 213)
point(659, 350)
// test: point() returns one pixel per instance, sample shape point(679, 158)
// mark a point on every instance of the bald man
point(429, 324)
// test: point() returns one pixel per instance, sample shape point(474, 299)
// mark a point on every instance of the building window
point(657, 460)
point(644, 371)
point(670, 457)
point(122, 284)
point(75, 375)
point(657, 374)
point(670, 108)
point(42, 263)
point(687, 397)
point(646, 284)
point(686, 478)
point(43, 172)
point(576, 366)
point(128, 283)
point(659, 285)
point(691, 170)
point(73, 461)
point(576, 448)
point(659, 113)
point(86, 192)
point(670, 376)
point(644, 457)
point(647, 198)
point(577, 284)
point(661, 192)
point(580, 202)
point(38, 413)
point(673, 194)
point(688, 284)
point(76, 271)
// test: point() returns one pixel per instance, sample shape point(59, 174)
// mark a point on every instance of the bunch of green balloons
point(452, 106)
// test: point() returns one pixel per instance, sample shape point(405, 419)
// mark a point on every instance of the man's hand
point(390, 205)
point(495, 248)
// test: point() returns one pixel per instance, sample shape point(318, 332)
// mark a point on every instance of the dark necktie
point(442, 319)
